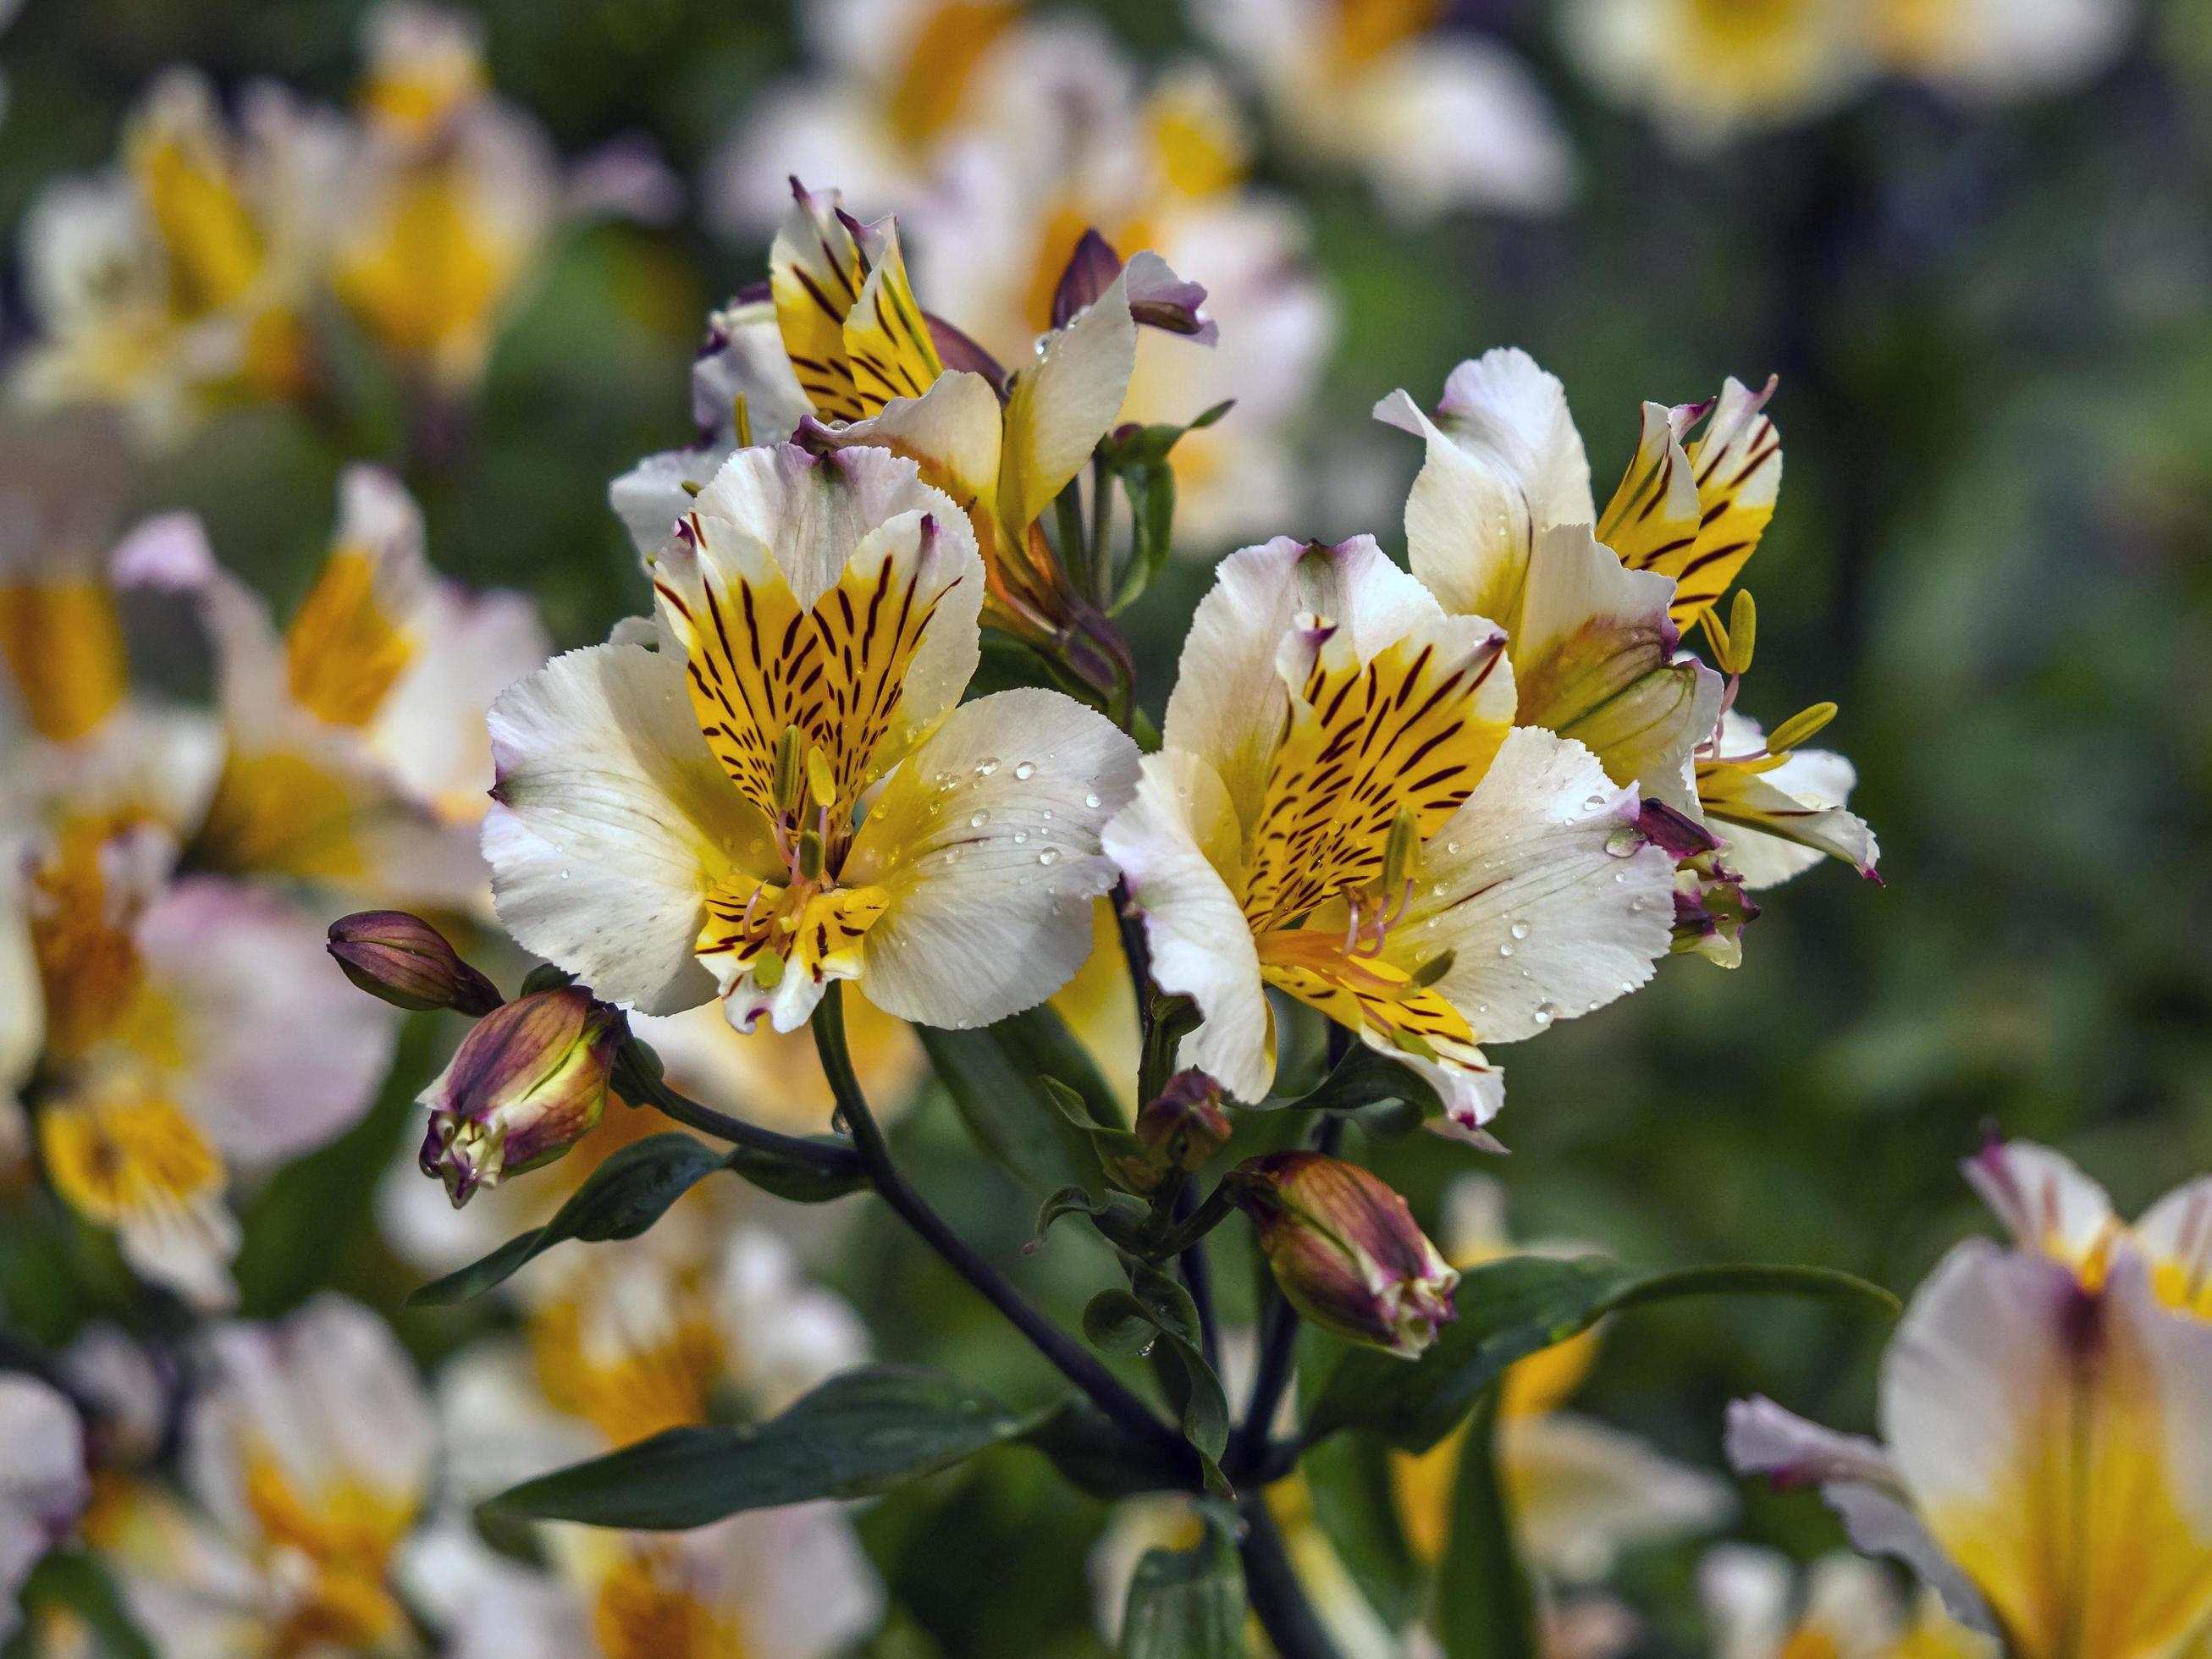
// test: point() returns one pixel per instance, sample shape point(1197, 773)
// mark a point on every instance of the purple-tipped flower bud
point(1185, 1126)
point(404, 960)
point(523, 1087)
point(1345, 1252)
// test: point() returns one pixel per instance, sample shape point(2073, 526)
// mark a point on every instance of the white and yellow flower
point(1501, 522)
point(1581, 1492)
point(356, 757)
point(307, 1461)
point(2045, 1465)
point(1436, 117)
point(44, 1482)
point(452, 194)
point(180, 281)
point(1710, 68)
point(1760, 1606)
point(1344, 812)
point(783, 794)
point(626, 1345)
point(842, 347)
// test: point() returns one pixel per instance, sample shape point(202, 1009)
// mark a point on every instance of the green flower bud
point(526, 1084)
point(1185, 1126)
point(1345, 1252)
point(408, 962)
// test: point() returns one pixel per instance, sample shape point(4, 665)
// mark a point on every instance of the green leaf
point(994, 1077)
point(620, 1200)
point(795, 1179)
point(1188, 1604)
point(1099, 1457)
point(79, 1582)
point(1485, 1608)
point(857, 1435)
point(1510, 1309)
point(1117, 1322)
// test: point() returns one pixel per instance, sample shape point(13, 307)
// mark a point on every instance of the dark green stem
point(1081, 1367)
point(1271, 1583)
point(638, 1079)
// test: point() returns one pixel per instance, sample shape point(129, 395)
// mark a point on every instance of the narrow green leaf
point(1485, 1608)
point(619, 1200)
point(857, 1435)
point(994, 1077)
point(1510, 1309)
point(1188, 1604)
point(1097, 1457)
point(1117, 1322)
point(791, 1178)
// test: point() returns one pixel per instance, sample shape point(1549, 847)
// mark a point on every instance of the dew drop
point(1519, 930)
point(987, 765)
point(1050, 856)
point(1026, 770)
point(1624, 840)
point(1505, 949)
point(1046, 815)
point(1620, 876)
point(564, 875)
point(1020, 835)
point(1546, 1013)
point(1090, 801)
point(1592, 803)
point(977, 820)
point(1451, 847)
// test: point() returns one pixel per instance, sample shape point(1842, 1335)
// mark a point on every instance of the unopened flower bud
point(1185, 1125)
point(523, 1087)
point(408, 962)
point(1345, 1252)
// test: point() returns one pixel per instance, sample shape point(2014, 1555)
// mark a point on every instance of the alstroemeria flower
point(307, 1460)
point(356, 757)
point(44, 1483)
point(677, 823)
point(1707, 72)
point(179, 281)
point(1760, 1606)
point(1583, 1493)
point(2044, 1464)
point(1501, 523)
point(1436, 117)
point(454, 193)
point(861, 364)
point(1344, 812)
point(191, 1033)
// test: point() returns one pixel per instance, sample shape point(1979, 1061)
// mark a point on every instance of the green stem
point(1272, 1585)
point(1101, 526)
point(638, 1079)
point(1081, 1367)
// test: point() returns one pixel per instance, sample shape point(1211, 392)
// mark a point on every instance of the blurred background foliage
point(1995, 338)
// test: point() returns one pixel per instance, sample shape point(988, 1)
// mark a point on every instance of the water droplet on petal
point(987, 765)
point(1519, 930)
point(564, 875)
point(1020, 835)
point(1451, 847)
point(1026, 770)
point(1592, 803)
point(1546, 1013)
point(1505, 949)
point(1090, 801)
point(1624, 840)
point(977, 820)
point(1620, 876)
point(1050, 856)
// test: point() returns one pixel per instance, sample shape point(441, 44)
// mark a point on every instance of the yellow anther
point(821, 782)
point(1429, 971)
point(788, 782)
point(741, 418)
point(1742, 632)
point(809, 856)
point(690, 489)
point(1401, 852)
point(1800, 726)
point(1716, 637)
point(768, 970)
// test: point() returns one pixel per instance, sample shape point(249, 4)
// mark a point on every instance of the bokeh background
point(1992, 319)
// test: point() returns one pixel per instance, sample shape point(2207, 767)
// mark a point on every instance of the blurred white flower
point(44, 1483)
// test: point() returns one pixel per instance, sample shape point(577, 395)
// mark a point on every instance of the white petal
point(952, 432)
point(44, 1486)
point(1451, 119)
point(488, 1605)
point(784, 1333)
point(795, 1580)
point(186, 1245)
point(1745, 1593)
point(986, 840)
point(613, 818)
point(2044, 1199)
point(1229, 701)
point(429, 730)
point(1585, 1492)
point(745, 358)
point(328, 1394)
point(275, 1052)
point(22, 1004)
point(2176, 1234)
point(1551, 901)
point(1172, 843)
point(653, 495)
point(1063, 404)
